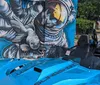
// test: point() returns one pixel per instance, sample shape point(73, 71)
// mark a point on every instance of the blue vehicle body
point(47, 71)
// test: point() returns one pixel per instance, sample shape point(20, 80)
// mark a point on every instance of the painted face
point(55, 15)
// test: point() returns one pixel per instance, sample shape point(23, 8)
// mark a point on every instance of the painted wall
point(36, 27)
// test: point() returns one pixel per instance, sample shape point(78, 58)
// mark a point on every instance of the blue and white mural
point(37, 28)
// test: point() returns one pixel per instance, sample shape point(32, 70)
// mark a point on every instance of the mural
point(35, 28)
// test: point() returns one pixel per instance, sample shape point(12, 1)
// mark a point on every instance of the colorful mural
point(35, 28)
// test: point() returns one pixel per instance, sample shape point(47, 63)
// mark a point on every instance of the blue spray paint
point(70, 29)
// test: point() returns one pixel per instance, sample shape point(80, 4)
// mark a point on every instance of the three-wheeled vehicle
point(80, 67)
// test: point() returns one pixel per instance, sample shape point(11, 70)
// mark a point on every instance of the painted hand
point(33, 41)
